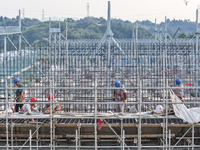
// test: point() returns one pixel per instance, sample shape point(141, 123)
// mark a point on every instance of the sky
point(131, 10)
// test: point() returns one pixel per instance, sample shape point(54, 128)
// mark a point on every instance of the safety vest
point(57, 109)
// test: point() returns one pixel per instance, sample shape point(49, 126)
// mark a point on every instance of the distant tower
point(23, 13)
point(42, 14)
point(88, 10)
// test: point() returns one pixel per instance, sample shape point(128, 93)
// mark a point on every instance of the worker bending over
point(120, 95)
point(179, 92)
point(29, 108)
point(19, 95)
point(56, 106)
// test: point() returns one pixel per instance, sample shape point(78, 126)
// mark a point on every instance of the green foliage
point(184, 35)
point(36, 31)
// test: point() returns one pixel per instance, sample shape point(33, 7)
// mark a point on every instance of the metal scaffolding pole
point(7, 138)
point(51, 114)
point(20, 41)
point(193, 136)
point(89, 68)
point(165, 100)
point(30, 139)
point(37, 135)
point(197, 49)
point(66, 49)
point(12, 134)
point(76, 140)
point(169, 139)
point(109, 35)
point(122, 130)
point(95, 112)
point(139, 119)
point(123, 138)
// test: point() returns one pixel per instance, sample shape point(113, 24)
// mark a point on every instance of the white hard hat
point(159, 109)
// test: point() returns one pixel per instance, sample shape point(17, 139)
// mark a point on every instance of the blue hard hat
point(15, 80)
point(117, 83)
point(178, 81)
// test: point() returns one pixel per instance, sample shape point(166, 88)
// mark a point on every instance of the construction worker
point(56, 107)
point(120, 95)
point(178, 92)
point(19, 95)
point(29, 108)
point(159, 109)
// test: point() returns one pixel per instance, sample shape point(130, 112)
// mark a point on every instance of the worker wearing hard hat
point(56, 106)
point(29, 108)
point(19, 94)
point(120, 95)
point(159, 109)
point(178, 91)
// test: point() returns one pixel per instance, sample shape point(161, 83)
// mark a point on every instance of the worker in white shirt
point(29, 108)
point(178, 91)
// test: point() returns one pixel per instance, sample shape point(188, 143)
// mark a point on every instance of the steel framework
point(81, 74)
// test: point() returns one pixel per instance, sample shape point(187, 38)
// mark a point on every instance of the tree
point(182, 35)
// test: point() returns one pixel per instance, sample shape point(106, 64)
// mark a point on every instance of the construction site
point(81, 75)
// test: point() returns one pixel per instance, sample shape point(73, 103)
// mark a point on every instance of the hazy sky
point(124, 9)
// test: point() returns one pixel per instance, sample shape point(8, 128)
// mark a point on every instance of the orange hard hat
point(33, 99)
point(50, 97)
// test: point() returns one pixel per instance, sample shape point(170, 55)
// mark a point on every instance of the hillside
point(94, 28)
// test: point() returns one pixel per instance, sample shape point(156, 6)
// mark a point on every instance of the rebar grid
point(81, 75)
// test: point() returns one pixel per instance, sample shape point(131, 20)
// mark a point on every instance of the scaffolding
point(81, 75)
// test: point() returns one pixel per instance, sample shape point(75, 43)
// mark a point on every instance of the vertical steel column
point(37, 134)
point(155, 42)
point(76, 140)
point(123, 138)
point(66, 50)
point(122, 142)
point(20, 41)
point(7, 140)
point(109, 37)
point(166, 102)
point(59, 48)
point(30, 139)
point(95, 112)
point(140, 120)
point(11, 134)
point(137, 60)
point(54, 137)
point(55, 56)
point(51, 116)
point(193, 136)
point(196, 53)
point(6, 88)
point(79, 134)
point(169, 139)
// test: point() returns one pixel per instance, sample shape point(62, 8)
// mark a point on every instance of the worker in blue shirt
point(179, 92)
point(19, 95)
